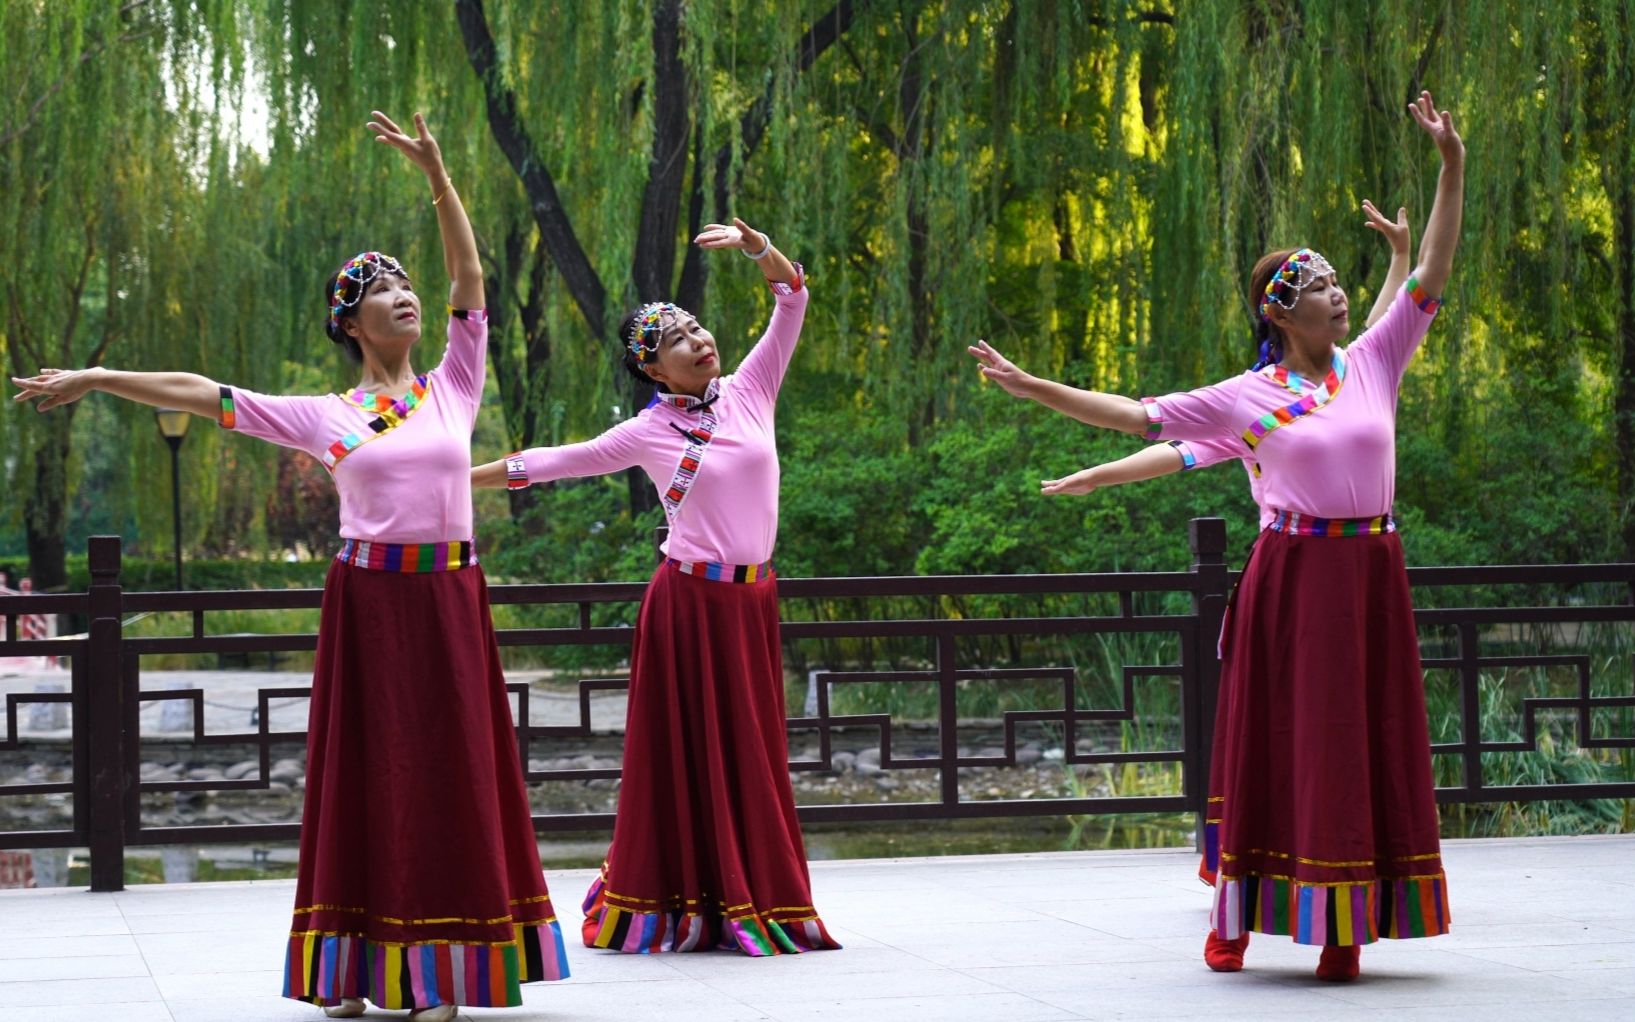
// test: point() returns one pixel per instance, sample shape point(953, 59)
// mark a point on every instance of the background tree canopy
point(1086, 184)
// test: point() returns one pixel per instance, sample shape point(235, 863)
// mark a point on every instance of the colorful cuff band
point(1421, 298)
point(228, 418)
point(516, 472)
point(1155, 418)
point(1188, 461)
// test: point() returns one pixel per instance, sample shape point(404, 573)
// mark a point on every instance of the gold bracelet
point(446, 189)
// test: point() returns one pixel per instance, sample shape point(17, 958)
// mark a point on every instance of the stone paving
point(1543, 929)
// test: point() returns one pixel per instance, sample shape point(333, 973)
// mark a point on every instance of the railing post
point(1209, 595)
point(104, 678)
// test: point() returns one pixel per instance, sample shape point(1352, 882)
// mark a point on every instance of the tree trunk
point(1622, 195)
point(45, 512)
point(912, 100)
point(555, 228)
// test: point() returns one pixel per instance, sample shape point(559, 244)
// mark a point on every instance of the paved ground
point(1543, 929)
point(230, 696)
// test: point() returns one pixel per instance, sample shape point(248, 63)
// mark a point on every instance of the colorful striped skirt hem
point(743, 928)
point(325, 968)
point(1324, 914)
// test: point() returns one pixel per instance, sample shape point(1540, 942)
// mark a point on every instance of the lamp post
point(173, 426)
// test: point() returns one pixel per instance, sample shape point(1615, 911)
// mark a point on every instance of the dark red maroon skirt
point(1322, 819)
point(419, 880)
point(707, 850)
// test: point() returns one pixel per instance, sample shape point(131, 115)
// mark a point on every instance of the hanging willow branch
point(91, 51)
point(514, 140)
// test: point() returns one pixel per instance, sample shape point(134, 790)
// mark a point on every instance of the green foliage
point(1085, 185)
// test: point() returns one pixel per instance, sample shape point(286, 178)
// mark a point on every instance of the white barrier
point(30, 627)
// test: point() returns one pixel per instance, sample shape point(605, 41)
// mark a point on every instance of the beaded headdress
point(643, 340)
point(354, 279)
point(1297, 273)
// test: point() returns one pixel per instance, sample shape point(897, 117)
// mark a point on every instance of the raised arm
point(186, 391)
point(1442, 229)
point(775, 266)
point(465, 271)
point(764, 366)
point(1400, 237)
point(1109, 411)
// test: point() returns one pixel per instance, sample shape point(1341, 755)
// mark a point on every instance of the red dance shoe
point(1340, 963)
point(1225, 955)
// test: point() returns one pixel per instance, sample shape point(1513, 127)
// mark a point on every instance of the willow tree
point(100, 164)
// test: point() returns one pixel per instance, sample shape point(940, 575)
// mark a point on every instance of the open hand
point(421, 149)
point(1082, 481)
point(739, 235)
point(1398, 234)
point(1437, 125)
point(1001, 370)
point(54, 387)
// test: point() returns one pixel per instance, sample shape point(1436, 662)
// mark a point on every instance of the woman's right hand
point(1397, 233)
point(55, 387)
point(1001, 370)
point(1082, 481)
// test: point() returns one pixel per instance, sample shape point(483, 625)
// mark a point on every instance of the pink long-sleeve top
point(1325, 448)
point(402, 468)
point(729, 513)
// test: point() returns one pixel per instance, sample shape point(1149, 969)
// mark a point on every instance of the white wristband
point(764, 252)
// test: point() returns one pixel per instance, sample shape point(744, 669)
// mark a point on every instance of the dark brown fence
point(932, 614)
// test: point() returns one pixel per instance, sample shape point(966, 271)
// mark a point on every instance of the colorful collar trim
point(1307, 404)
point(394, 415)
point(687, 402)
point(1294, 382)
point(385, 404)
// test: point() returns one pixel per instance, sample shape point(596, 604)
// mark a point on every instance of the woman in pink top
point(707, 850)
point(1322, 820)
point(419, 881)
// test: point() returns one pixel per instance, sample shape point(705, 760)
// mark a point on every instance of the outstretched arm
point(1147, 463)
point(1400, 237)
point(489, 477)
point(1442, 229)
point(186, 391)
point(465, 271)
point(614, 451)
point(1108, 411)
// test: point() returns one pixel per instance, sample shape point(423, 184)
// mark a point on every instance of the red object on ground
point(1340, 964)
point(1225, 955)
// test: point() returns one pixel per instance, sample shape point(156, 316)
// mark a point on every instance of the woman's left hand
point(1439, 126)
point(421, 149)
point(739, 235)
